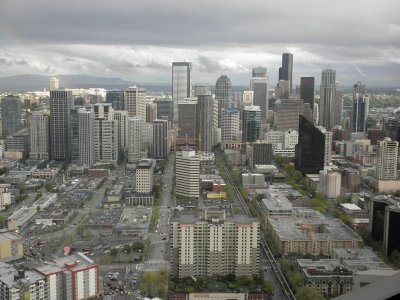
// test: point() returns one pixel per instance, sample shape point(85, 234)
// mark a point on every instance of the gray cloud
point(138, 39)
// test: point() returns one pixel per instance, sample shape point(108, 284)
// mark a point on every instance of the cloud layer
point(138, 40)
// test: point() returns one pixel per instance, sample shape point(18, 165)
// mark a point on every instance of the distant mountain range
point(36, 82)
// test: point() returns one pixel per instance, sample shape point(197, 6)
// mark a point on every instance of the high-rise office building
point(181, 84)
point(310, 149)
point(360, 108)
point(187, 122)
point(39, 147)
point(230, 128)
point(330, 183)
point(17, 145)
point(144, 176)
point(134, 139)
point(165, 109)
point(259, 72)
point(223, 95)
point(251, 119)
point(307, 92)
point(214, 244)
point(86, 137)
point(287, 114)
point(116, 98)
point(286, 71)
point(187, 174)
point(160, 139)
point(247, 98)
point(201, 89)
point(11, 110)
point(386, 162)
point(135, 102)
point(54, 84)
point(237, 99)
point(262, 154)
point(151, 112)
point(74, 135)
point(331, 102)
point(205, 107)
point(105, 134)
point(60, 107)
point(282, 89)
point(259, 86)
point(121, 117)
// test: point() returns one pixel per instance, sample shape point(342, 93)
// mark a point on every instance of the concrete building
point(86, 136)
point(11, 110)
point(116, 98)
point(134, 139)
point(201, 89)
point(160, 147)
point(360, 108)
point(151, 112)
point(39, 146)
point(11, 246)
point(20, 218)
point(327, 276)
point(181, 84)
point(230, 128)
point(187, 174)
point(61, 102)
point(165, 109)
point(262, 153)
point(286, 71)
point(121, 117)
point(54, 83)
point(214, 244)
point(387, 156)
point(71, 277)
point(144, 174)
point(330, 183)
point(135, 102)
point(105, 134)
point(259, 86)
point(188, 122)
point(253, 179)
point(282, 90)
point(17, 145)
point(20, 284)
point(205, 107)
point(287, 114)
point(5, 195)
point(309, 232)
point(251, 119)
point(247, 98)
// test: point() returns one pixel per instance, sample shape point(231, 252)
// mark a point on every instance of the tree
point(307, 293)
point(3, 170)
point(49, 186)
point(38, 208)
point(297, 176)
point(114, 252)
point(127, 248)
point(38, 195)
point(269, 287)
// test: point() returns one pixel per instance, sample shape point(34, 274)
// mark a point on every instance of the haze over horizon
point(138, 41)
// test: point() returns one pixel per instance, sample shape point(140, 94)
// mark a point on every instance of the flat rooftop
point(276, 201)
point(74, 262)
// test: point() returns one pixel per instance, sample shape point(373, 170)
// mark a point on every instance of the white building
point(187, 174)
point(105, 133)
point(135, 102)
point(86, 137)
point(38, 124)
point(387, 153)
point(247, 98)
point(181, 84)
point(328, 145)
point(330, 183)
point(21, 217)
point(230, 128)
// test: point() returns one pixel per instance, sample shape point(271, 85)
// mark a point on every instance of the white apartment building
point(105, 133)
point(135, 102)
point(39, 146)
point(187, 175)
point(230, 128)
point(144, 174)
point(330, 183)
point(134, 139)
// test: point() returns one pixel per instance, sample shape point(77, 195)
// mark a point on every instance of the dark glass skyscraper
point(11, 109)
point(181, 84)
point(223, 95)
point(251, 123)
point(360, 108)
point(310, 150)
point(116, 98)
point(285, 72)
point(60, 106)
point(307, 91)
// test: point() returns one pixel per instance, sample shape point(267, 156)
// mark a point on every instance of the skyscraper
point(259, 86)
point(181, 84)
point(310, 149)
point(160, 142)
point(116, 98)
point(11, 109)
point(60, 107)
point(251, 123)
point(135, 102)
point(201, 89)
point(187, 121)
point(151, 112)
point(285, 72)
point(223, 95)
point(105, 134)
point(165, 109)
point(287, 114)
point(54, 83)
point(259, 72)
point(230, 128)
point(307, 91)
point(134, 139)
point(331, 103)
point(187, 174)
point(121, 117)
point(38, 124)
point(360, 108)
point(386, 162)
point(86, 137)
point(205, 106)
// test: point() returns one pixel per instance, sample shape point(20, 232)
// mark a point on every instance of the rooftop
point(350, 206)
point(276, 201)
point(74, 262)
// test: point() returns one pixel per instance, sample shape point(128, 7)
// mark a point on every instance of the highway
point(280, 278)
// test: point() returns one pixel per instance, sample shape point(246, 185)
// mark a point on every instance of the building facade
point(251, 119)
point(11, 110)
point(38, 124)
point(187, 174)
point(223, 95)
point(135, 102)
point(181, 84)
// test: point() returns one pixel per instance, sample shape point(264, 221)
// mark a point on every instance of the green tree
point(308, 293)
point(49, 186)
point(269, 286)
point(114, 252)
point(38, 196)
point(38, 208)
point(127, 248)
point(3, 170)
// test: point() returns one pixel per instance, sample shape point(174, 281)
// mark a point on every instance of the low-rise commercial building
point(21, 217)
point(11, 246)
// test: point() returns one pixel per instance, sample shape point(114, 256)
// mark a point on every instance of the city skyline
point(139, 41)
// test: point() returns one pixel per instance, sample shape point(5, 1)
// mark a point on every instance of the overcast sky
point(138, 39)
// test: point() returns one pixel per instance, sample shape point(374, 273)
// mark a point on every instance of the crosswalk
point(152, 266)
